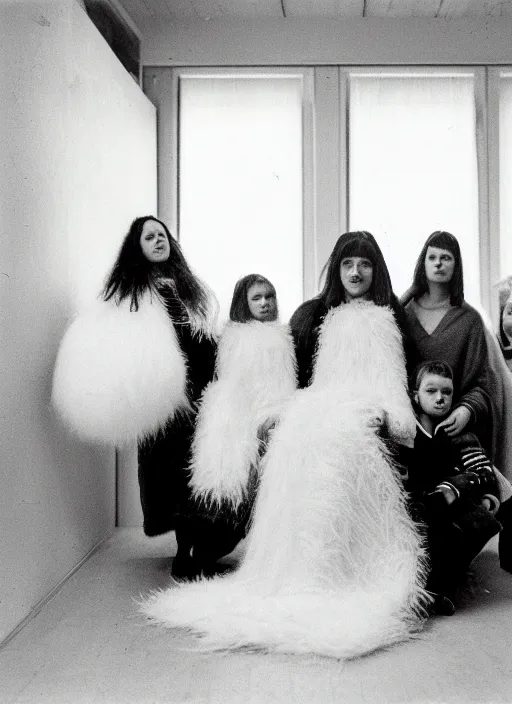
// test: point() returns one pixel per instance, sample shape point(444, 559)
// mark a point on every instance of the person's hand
point(377, 418)
point(438, 501)
point(448, 493)
point(456, 421)
point(491, 503)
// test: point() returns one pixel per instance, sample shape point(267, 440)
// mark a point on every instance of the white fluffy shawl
point(334, 564)
point(361, 356)
point(119, 375)
point(255, 377)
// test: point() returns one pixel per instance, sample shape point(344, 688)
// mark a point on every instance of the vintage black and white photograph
point(256, 359)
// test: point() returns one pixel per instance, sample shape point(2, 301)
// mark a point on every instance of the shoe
point(184, 568)
point(504, 515)
point(441, 606)
point(216, 570)
point(506, 565)
point(505, 549)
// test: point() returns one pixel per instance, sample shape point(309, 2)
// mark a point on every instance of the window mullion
point(493, 177)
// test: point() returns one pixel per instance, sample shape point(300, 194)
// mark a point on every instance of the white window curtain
point(240, 182)
point(413, 166)
point(505, 171)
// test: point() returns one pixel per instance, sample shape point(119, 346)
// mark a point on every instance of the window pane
point(413, 168)
point(505, 175)
point(240, 182)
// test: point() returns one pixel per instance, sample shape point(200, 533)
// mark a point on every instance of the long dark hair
point(132, 275)
point(442, 240)
point(239, 311)
point(356, 244)
point(359, 243)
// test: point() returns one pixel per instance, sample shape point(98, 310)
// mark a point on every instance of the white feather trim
point(334, 564)
point(119, 375)
point(256, 376)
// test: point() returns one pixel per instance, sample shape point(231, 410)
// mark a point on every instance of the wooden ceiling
point(163, 10)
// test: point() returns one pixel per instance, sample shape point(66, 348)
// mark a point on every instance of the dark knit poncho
point(459, 340)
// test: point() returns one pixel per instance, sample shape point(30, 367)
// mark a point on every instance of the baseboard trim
point(45, 600)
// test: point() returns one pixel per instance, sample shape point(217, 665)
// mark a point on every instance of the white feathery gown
point(256, 376)
point(334, 564)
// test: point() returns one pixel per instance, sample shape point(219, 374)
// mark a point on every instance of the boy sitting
point(452, 486)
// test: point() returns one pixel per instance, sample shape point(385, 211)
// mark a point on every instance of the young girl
point(133, 367)
point(255, 377)
point(452, 486)
point(334, 561)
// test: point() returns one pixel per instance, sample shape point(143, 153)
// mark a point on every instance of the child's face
point(434, 395)
point(262, 302)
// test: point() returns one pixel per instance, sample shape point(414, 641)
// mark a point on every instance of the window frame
point(326, 102)
point(481, 120)
point(168, 134)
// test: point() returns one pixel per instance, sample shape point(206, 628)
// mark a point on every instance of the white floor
point(90, 645)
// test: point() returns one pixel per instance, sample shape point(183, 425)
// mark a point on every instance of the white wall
point(326, 42)
point(78, 162)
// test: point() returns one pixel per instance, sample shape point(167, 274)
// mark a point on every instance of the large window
point(413, 165)
point(241, 180)
point(505, 173)
point(261, 170)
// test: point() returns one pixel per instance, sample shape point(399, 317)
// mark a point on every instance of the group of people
point(358, 448)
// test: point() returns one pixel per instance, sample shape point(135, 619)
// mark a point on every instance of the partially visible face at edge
point(262, 302)
point(506, 319)
point(154, 243)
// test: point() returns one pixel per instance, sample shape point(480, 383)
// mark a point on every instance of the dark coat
point(163, 460)
point(458, 462)
point(455, 533)
point(305, 326)
point(459, 340)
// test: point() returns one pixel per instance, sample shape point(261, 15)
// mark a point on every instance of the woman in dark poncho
point(443, 326)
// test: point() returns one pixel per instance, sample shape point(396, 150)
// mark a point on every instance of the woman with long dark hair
point(134, 367)
point(334, 562)
point(343, 282)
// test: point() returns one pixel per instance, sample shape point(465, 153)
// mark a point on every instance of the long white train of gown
point(334, 564)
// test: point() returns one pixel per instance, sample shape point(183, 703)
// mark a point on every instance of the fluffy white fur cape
point(256, 376)
point(119, 375)
point(334, 564)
